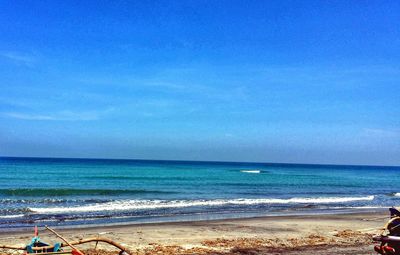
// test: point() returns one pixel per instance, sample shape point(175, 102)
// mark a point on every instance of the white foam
point(397, 194)
point(11, 216)
point(124, 205)
point(251, 171)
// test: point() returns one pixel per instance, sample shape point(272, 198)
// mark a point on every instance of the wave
point(38, 200)
point(251, 171)
point(74, 192)
point(395, 194)
point(124, 205)
point(11, 216)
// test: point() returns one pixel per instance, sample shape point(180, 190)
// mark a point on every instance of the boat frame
point(47, 249)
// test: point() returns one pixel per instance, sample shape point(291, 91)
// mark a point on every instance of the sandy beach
point(199, 127)
point(324, 234)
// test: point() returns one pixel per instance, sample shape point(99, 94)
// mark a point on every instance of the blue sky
point(266, 81)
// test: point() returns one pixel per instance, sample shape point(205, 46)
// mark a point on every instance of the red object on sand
point(378, 249)
point(384, 250)
point(76, 252)
point(389, 250)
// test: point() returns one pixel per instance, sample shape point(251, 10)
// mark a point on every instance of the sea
point(80, 192)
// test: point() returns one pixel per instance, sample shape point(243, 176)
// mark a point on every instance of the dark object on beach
point(390, 236)
point(37, 246)
point(394, 212)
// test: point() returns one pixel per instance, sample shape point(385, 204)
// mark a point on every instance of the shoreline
point(205, 218)
point(352, 231)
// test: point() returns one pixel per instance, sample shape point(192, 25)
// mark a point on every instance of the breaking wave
point(11, 216)
point(251, 171)
point(125, 205)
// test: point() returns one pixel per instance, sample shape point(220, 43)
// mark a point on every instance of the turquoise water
point(38, 191)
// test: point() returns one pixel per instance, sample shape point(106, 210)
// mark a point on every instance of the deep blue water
point(39, 191)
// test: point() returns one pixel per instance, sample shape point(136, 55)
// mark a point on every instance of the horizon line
point(200, 161)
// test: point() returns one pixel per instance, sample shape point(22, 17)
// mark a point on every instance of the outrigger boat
point(390, 235)
point(64, 247)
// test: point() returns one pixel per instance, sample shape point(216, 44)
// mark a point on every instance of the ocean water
point(40, 191)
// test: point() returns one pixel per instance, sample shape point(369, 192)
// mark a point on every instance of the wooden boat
point(65, 247)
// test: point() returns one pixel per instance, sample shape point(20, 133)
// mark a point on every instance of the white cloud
point(380, 133)
point(18, 57)
point(61, 115)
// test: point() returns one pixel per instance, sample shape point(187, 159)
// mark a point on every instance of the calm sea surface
point(39, 191)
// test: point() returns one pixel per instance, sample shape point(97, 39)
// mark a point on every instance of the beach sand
point(322, 234)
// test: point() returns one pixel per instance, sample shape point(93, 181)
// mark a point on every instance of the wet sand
point(322, 234)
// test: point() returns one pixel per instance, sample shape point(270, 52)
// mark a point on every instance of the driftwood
point(12, 247)
point(104, 240)
point(122, 249)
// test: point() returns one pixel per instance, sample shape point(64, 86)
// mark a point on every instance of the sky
point(254, 81)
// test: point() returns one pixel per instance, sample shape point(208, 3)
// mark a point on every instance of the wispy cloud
point(177, 87)
point(380, 133)
point(163, 84)
point(61, 115)
point(318, 76)
point(19, 57)
point(132, 82)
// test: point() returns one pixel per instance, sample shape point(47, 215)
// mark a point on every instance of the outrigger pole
point(72, 244)
point(75, 251)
